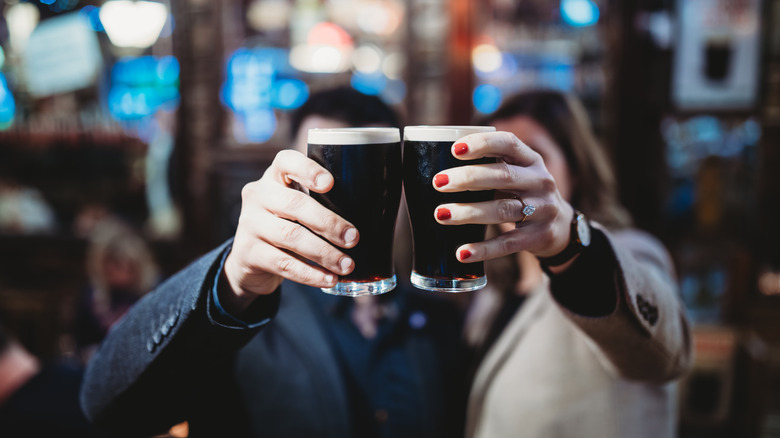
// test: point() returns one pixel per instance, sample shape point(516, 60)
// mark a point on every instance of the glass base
point(447, 285)
point(358, 288)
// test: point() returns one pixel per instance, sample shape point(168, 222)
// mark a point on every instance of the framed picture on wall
point(717, 54)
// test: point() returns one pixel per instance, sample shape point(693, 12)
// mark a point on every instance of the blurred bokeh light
point(258, 81)
point(579, 12)
point(143, 85)
point(134, 24)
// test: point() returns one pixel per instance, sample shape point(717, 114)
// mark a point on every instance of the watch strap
point(572, 249)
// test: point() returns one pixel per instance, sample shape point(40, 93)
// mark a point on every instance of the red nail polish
point(461, 148)
point(441, 180)
point(464, 254)
point(443, 214)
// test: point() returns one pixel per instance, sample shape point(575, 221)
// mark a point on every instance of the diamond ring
point(528, 210)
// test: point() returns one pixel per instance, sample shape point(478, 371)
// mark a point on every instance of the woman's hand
point(281, 229)
point(521, 179)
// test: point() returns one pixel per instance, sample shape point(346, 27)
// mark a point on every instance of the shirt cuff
point(259, 313)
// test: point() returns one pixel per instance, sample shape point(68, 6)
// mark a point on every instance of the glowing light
point(557, 75)
point(393, 65)
point(486, 58)
point(7, 104)
point(60, 5)
point(328, 50)
point(379, 18)
point(371, 84)
point(395, 92)
point(258, 126)
point(261, 125)
point(320, 58)
point(92, 15)
point(579, 13)
point(21, 19)
point(329, 34)
point(268, 15)
point(254, 87)
point(134, 24)
point(507, 71)
point(367, 59)
point(167, 70)
point(250, 76)
point(327, 58)
point(61, 55)
point(289, 93)
point(141, 86)
point(486, 98)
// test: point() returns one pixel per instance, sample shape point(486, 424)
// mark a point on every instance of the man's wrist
point(228, 300)
point(231, 309)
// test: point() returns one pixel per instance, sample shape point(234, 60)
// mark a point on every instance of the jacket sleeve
point(624, 297)
point(146, 371)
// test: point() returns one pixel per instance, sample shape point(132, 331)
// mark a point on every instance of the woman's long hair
point(565, 119)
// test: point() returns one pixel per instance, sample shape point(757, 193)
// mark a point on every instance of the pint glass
point(366, 166)
point(427, 151)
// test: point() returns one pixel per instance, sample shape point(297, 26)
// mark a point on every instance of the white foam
point(442, 132)
point(354, 135)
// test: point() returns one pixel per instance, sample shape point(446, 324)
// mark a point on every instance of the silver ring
point(528, 210)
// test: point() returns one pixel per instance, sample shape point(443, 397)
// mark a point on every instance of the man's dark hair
point(347, 105)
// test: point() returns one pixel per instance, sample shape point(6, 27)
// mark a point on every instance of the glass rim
point(443, 132)
point(356, 135)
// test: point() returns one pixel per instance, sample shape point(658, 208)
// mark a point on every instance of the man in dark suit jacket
point(242, 343)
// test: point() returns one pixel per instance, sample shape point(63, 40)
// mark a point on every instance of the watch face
point(583, 230)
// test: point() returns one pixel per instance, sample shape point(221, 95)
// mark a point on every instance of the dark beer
point(367, 193)
point(435, 265)
point(717, 58)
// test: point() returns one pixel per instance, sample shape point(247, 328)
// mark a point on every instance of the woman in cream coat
point(587, 346)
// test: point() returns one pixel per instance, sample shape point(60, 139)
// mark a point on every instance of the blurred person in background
point(291, 361)
point(590, 342)
point(24, 210)
point(121, 269)
point(37, 399)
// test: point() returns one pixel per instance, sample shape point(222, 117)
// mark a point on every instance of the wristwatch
point(579, 239)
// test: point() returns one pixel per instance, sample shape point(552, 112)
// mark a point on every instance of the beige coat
point(553, 373)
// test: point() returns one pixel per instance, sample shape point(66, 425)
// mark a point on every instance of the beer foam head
point(354, 135)
point(442, 132)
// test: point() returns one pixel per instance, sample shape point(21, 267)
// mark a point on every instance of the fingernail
point(345, 263)
point(461, 148)
point(464, 254)
point(443, 214)
point(330, 280)
point(441, 180)
point(321, 181)
point(350, 235)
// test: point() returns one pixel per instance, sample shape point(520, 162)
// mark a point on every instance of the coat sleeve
point(626, 300)
point(146, 371)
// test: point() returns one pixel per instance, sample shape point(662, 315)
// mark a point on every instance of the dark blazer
point(168, 361)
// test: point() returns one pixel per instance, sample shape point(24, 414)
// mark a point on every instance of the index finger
point(500, 144)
